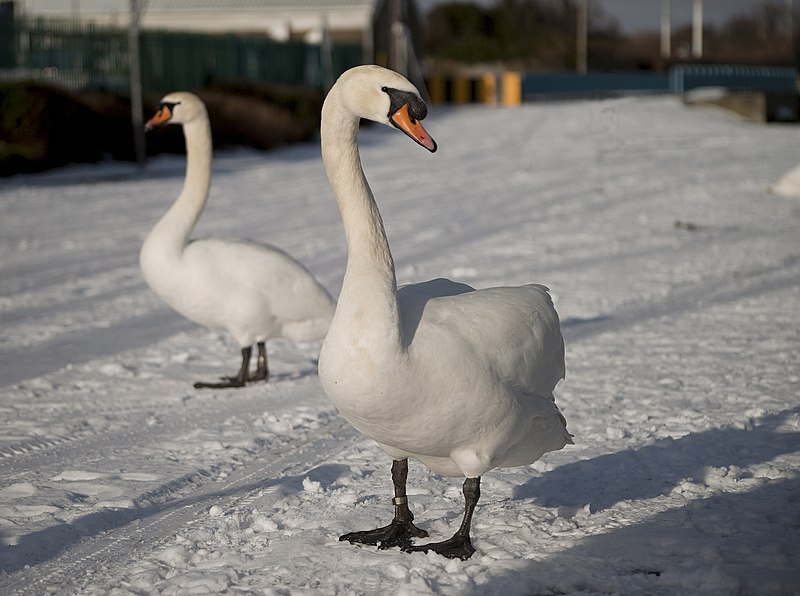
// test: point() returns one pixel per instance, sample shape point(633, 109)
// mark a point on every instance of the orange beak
point(413, 128)
point(162, 116)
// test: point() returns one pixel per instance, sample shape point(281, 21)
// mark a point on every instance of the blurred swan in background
point(254, 291)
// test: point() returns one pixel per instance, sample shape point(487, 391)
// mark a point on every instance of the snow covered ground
point(677, 278)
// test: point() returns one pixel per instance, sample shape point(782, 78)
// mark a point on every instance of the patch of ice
point(77, 476)
point(18, 490)
point(139, 476)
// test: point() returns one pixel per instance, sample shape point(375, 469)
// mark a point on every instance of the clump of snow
point(312, 485)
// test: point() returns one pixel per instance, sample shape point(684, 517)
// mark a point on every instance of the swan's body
point(254, 291)
point(460, 379)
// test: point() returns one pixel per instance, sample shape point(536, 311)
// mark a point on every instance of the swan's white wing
point(263, 281)
point(513, 331)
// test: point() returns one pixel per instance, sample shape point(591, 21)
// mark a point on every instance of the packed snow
point(676, 274)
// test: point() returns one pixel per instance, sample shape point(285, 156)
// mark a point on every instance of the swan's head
point(384, 96)
point(177, 108)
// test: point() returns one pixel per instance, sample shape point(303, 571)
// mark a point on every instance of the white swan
point(254, 291)
point(460, 379)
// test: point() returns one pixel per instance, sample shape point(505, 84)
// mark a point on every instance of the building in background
point(346, 20)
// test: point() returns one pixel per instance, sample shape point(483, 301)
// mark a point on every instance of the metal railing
point(81, 56)
point(732, 77)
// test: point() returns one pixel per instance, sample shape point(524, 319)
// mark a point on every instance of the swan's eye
point(417, 110)
point(385, 89)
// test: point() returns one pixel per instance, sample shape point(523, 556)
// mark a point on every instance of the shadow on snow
point(647, 472)
point(724, 544)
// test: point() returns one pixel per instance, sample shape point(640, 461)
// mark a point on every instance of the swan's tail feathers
point(568, 436)
point(545, 407)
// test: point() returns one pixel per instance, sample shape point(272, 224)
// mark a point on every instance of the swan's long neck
point(170, 234)
point(369, 291)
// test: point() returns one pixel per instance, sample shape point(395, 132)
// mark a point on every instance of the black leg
point(262, 369)
point(402, 529)
point(238, 381)
point(459, 546)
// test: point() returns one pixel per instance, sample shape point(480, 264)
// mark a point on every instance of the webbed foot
point(241, 378)
point(398, 533)
point(457, 547)
point(259, 375)
point(226, 383)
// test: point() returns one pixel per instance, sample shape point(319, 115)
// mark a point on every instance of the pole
point(398, 52)
point(136, 83)
point(326, 51)
point(368, 40)
point(697, 28)
point(666, 29)
point(582, 42)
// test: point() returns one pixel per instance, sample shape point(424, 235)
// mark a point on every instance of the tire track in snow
point(37, 453)
point(133, 427)
point(147, 528)
point(35, 445)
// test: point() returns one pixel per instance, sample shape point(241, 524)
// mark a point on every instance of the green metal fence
point(80, 56)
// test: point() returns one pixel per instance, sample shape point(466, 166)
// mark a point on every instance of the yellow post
point(488, 89)
point(512, 88)
point(436, 88)
point(461, 90)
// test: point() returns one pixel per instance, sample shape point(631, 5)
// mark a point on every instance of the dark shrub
point(42, 126)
